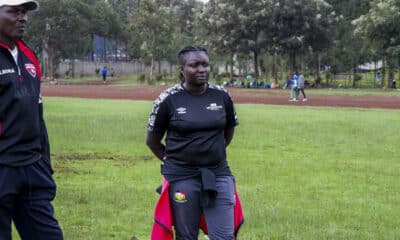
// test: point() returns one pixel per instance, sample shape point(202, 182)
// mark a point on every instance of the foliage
point(142, 77)
point(381, 26)
point(298, 34)
point(349, 49)
point(64, 28)
point(159, 77)
point(153, 28)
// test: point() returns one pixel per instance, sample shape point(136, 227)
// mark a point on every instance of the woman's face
point(197, 68)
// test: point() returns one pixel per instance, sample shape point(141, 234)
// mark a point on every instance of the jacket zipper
point(19, 73)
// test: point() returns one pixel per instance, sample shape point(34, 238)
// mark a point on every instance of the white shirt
point(14, 53)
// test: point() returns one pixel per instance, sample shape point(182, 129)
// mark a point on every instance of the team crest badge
point(180, 197)
point(30, 68)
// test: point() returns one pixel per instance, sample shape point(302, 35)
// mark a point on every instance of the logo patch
point(180, 197)
point(181, 110)
point(30, 68)
point(214, 107)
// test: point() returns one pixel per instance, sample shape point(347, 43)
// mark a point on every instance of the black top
point(195, 126)
point(23, 135)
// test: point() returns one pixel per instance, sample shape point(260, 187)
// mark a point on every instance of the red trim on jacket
point(163, 221)
point(30, 55)
point(4, 46)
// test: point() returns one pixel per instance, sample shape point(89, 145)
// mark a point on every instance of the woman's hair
point(182, 56)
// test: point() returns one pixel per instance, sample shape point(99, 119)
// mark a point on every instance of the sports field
point(302, 172)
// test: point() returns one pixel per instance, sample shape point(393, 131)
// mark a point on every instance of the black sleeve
point(159, 116)
point(44, 139)
point(231, 117)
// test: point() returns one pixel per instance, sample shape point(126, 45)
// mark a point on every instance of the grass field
point(355, 92)
point(302, 173)
point(330, 91)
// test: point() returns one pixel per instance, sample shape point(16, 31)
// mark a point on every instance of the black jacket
point(23, 134)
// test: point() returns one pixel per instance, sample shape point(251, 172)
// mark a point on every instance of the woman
point(199, 119)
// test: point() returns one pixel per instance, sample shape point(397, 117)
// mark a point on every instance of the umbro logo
point(181, 110)
point(214, 107)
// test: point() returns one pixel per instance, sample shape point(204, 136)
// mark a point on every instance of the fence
point(88, 68)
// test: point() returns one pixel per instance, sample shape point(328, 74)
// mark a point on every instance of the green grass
point(133, 80)
point(77, 80)
point(302, 173)
point(355, 92)
point(328, 91)
point(124, 80)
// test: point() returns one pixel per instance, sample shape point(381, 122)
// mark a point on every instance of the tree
point(64, 29)
point(153, 28)
point(381, 25)
point(220, 28)
point(256, 27)
point(349, 49)
point(300, 26)
point(60, 28)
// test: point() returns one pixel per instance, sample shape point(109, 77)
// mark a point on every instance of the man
point(293, 88)
point(26, 183)
point(300, 88)
point(104, 74)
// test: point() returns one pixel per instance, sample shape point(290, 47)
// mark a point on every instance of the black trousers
point(25, 198)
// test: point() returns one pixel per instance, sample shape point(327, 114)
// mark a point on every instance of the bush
point(67, 73)
point(328, 75)
point(150, 82)
point(357, 77)
point(142, 77)
point(225, 75)
point(218, 79)
point(164, 74)
point(97, 71)
point(214, 73)
point(159, 77)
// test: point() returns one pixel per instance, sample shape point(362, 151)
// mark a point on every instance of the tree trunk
point(73, 68)
point(159, 66)
point(375, 72)
point(126, 51)
point(292, 62)
point(231, 66)
point(92, 51)
point(274, 75)
point(383, 75)
point(151, 71)
point(52, 64)
point(104, 49)
point(255, 55)
point(302, 63)
point(391, 66)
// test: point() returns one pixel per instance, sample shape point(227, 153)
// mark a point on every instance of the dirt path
point(260, 96)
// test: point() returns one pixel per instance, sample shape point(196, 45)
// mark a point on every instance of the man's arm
point(44, 139)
